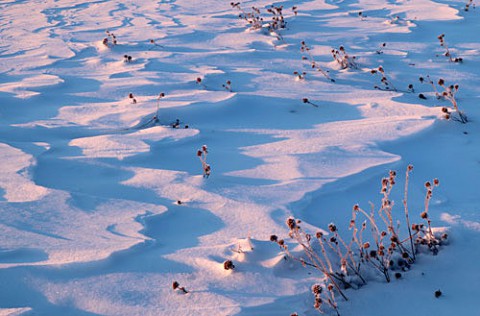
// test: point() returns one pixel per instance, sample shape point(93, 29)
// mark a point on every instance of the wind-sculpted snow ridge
point(104, 104)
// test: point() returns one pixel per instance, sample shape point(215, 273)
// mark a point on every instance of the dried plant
point(160, 96)
point(386, 84)
point(313, 64)
point(228, 265)
point(132, 98)
point(176, 124)
point(345, 263)
point(295, 10)
point(447, 52)
point(307, 101)
point(380, 50)
point(127, 58)
point(426, 235)
point(199, 81)
point(469, 5)
point(110, 40)
point(343, 59)
point(405, 206)
point(300, 76)
point(257, 22)
point(278, 21)
point(324, 294)
point(449, 93)
point(321, 261)
point(227, 86)
point(176, 287)
point(396, 20)
point(202, 155)
point(253, 18)
point(155, 44)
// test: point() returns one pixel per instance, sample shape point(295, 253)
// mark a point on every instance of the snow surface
point(103, 205)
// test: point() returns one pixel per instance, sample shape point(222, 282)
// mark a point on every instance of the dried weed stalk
point(202, 155)
point(343, 59)
point(447, 52)
point(449, 93)
point(313, 64)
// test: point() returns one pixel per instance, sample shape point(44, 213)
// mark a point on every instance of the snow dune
point(102, 200)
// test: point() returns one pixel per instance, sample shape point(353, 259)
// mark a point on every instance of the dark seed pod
point(228, 265)
point(175, 285)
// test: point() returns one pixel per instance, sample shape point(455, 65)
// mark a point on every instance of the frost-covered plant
point(406, 211)
point(316, 259)
point(324, 295)
point(304, 48)
point(343, 59)
point(202, 155)
point(376, 246)
point(447, 52)
point(449, 93)
point(426, 235)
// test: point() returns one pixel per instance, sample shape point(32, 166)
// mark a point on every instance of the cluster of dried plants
point(379, 245)
point(447, 53)
point(345, 60)
point(272, 24)
point(110, 40)
point(305, 49)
